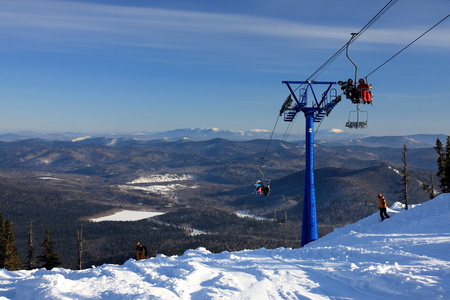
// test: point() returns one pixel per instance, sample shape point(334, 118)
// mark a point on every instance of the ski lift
point(280, 214)
point(356, 67)
point(357, 119)
point(262, 186)
point(359, 94)
point(287, 105)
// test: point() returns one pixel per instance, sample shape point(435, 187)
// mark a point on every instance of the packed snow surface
point(404, 257)
point(164, 190)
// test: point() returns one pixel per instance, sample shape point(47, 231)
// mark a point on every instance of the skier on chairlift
point(350, 90)
point(366, 94)
point(266, 188)
point(263, 189)
point(258, 185)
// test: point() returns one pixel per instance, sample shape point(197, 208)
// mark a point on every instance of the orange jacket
point(382, 202)
point(141, 252)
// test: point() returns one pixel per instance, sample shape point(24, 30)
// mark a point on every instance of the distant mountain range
point(193, 134)
point(324, 137)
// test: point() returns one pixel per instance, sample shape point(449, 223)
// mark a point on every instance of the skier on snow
point(383, 207)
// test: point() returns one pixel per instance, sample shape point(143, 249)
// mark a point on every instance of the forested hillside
point(198, 185)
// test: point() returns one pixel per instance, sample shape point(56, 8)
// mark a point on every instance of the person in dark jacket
point(350, 90)
point(141, 251)
point(266, 188)
point(383, 207)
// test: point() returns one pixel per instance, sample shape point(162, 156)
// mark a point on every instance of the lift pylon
point(314, 111)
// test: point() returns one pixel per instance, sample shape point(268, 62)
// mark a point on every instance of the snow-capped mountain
point(331, 137)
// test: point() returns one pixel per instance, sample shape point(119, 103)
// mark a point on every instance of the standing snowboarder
point(383, 212)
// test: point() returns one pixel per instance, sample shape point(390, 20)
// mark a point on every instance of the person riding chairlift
point(258, 185)
point(263, 188)
point(266, 188)
point(350, 90)
point(366, 94)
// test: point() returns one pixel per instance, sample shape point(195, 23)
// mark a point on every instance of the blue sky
point(130, 66)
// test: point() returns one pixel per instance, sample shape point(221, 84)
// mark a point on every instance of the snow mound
point(404, 257)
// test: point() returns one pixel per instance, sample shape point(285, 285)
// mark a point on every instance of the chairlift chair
point(355, 120)
point(359, 122)
point(279, 216)
point(262, 186)
point(280, 213)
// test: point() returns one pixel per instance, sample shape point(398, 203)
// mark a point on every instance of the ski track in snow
point(404, 257)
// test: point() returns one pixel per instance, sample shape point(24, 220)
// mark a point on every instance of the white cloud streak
point(75, 23)
point(60, 24)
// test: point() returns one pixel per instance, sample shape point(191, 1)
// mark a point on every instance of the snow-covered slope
point(404, 257)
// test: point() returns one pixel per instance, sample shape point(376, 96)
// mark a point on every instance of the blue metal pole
point(314, 113)
point(309, 224)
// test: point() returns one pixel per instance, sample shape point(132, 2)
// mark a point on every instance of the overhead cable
point(355, 36)
point(330, 60)
point(407, 46)
point(267, 148)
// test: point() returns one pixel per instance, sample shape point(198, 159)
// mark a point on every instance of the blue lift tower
point(315, 111)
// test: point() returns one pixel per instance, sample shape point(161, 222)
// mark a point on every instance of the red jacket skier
point(366, 94)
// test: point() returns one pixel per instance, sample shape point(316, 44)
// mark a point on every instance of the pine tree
point(405, 178)
point(2, 242)
point(49, 257)
point(80, 242)
point(445, 180)
point(430, 188)
point(12, 261)
point(441, 161)
point(32, 261)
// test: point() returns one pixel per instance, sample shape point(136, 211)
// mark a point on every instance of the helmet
point(379, 195)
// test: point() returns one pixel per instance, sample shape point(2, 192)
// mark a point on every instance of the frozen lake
point(128, 215)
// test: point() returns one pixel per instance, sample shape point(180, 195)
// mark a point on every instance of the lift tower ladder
point(314, 111)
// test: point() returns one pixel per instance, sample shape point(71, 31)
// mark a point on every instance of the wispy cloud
point(55, 26)
point(88, 24)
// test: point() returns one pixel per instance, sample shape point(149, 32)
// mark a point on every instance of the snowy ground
point(163, 178)
point(159, 184)
point(404, 257)
point(246, 214)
